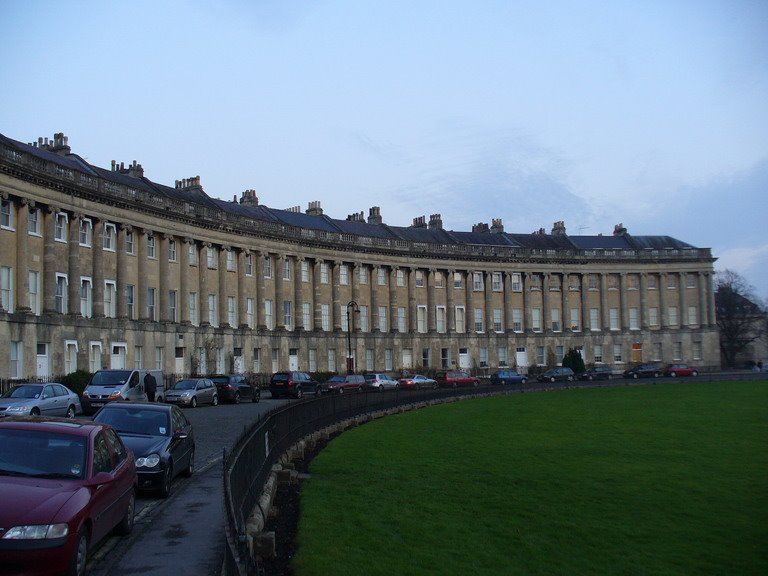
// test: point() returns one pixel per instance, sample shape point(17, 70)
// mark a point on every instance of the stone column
point(222, 290)
point(49, 261)
point(623, 300)
point(431, 306)
point(140, 294)
point(336, 297)
point(163, 277)
point(73, 294)
point(527, 320)
point(664, 319)
point(262, 291)
point(546, 314)
point(184, 280)
point(374, 283)
point(711, 292)
point(469, 311)
point(202, 269)
point(393, 299)
point(242, 308)
point(584, 279)
point(413, 323)
point(488, 294)
point(604, 313)
point(317, 292)
point(449, 302)
point(298, 300)
point(507, 279)
point(281, 262)
point(643, 301)
point(683, 300)
point(565, 313)
point(703, 316)
point(22, 255)
point(97, 261)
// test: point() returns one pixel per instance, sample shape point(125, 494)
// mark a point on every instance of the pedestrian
point(150, 386)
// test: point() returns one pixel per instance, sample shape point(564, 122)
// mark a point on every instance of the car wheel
point(634, 375)
point(193, 402)
point(299, 392)
point(590, 377)
point(673, 374)
point(657, 374)
point(609, 377)
point(256, 395)
point(341, 390)
point(71, 411)
point(551, 378)
point(190, 469)
point(35, 411)
point(237, 398)
point(381, 388)
point(165, 487)
point(570, 378)
point(79, 554)
point(215, 401)
point(126, 524)
point(694, 373)
point(523, 381)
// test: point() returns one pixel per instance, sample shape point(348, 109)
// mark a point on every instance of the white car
point(379, 381)
point(40, 399)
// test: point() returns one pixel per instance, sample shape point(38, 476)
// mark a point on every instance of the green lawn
point(654, 479)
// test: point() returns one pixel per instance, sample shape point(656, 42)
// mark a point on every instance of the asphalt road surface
point(183, 533)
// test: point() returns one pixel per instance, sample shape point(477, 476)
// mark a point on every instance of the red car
point(675, 370)
point(64, 485)
point(456, 378)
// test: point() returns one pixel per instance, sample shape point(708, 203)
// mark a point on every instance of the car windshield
point(40, 454)
point(371, 376)
point(185, 385)
point(220, 380)
point(28, 391)
point(336, 379)
point(135, 421)
point(110, 378)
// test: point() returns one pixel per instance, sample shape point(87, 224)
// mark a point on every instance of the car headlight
point(186, 394)
point(115, 395)
point(37, 532)
point(150, 461)
point(18, 408)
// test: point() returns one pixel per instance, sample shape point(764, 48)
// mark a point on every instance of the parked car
point(456, 378)
point(111, 385)
point(417, 381)
point(559, 373)
point(601, 372)
point(50, 399)
point(379, 381)
point(65, 485)
point(161, 438)
point(234, 388)
point(508, 377)
point(193, 391)
point(645, 370)
point(679, 369)
point(294, 384)
point(344, 382)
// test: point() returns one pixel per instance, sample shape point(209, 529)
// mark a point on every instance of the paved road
point(183, 534)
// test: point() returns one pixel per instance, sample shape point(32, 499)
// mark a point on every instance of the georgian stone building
point(105, 268)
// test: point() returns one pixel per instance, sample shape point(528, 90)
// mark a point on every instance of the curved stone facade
point(103, 267)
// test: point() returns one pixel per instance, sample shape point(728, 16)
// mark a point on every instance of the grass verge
point(652, 479)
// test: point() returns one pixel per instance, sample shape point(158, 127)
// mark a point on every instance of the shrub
point(77, 380)
point(574, 361)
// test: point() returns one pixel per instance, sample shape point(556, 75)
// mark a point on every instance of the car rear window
point(280, 378)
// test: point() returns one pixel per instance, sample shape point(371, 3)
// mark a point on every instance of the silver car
point(379, 381)
point(193, 391)
point(49, 399)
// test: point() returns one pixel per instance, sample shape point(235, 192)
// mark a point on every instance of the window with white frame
point(248, 261)
point(613, 281)
point(597, 353)
point(6, 214)
point(34, 292)
point(401, 319)
point(575, 320)
point(653, 281)
point(60, 227)
point(86, 232)
point(691, 281)
point(325, 317)
point(159, 357)
point(212, 261)
point(634, 319)
point(325, 273)
point(138, 357)
point(461, 319)
point(383, 327)
point(554, 282)
point(400, 275)
point(477, 281)
point(61, 296)
point(657, 350)
point(458, 280)
point(130, 301)
point(479, 321)
point(369, 364)
point(497, 320)
point(593, 281)
point(33, 222)
point(696, 349)
point(275, 359)
point(6, 288)
point(343, 275)
point(536, 319)
point(421, 319)
point(86, 297)
point(257, 360)
point(362, 275)
point(653, 316)
point(617, 353)
point(407, 358)
point(347, 315)
point(231, 311)
point(287, 268)
point(151, 247)
point(110, 298)
point(109, 237)
point(249, 313)
point(288, 314)
point(483, 354)
point(693, 318)
point(304, 271)
point(497, 283)
point(16, 365)
point(672, 281)
point(151, 304)
point(306, 315)
point(213, 310)
point(94, 356)
point(331, 360)
point(439, 283)
point(381, 276)
point(173, 305)
point(517, 284)
point(501, 352)
point(231, 262)
point(554, 314)
point(388, 359)
point(365, 324)
point(129, 244)
point(559, 354)
point(194, 315)
point(171, 250)
point(540, 355)
point(70, 356)
point(313, 359)
point(613, 318)
point(672, 315)
point(192, 253)
point(268, 315)
point(677, 350)
point(440, 319)
point(517, 319)
point(419, 279)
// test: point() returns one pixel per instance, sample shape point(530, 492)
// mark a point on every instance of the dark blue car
point(504, 377)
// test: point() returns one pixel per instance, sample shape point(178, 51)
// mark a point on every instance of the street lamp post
point(352, 307)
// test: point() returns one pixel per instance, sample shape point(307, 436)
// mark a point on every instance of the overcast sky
point(651, 113)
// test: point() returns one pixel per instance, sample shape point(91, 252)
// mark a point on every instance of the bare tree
point(740, 319)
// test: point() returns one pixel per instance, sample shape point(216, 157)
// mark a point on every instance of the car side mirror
point(101, 478)
point(180, 435)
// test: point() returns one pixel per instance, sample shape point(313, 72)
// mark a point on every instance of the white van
point(115, 385)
